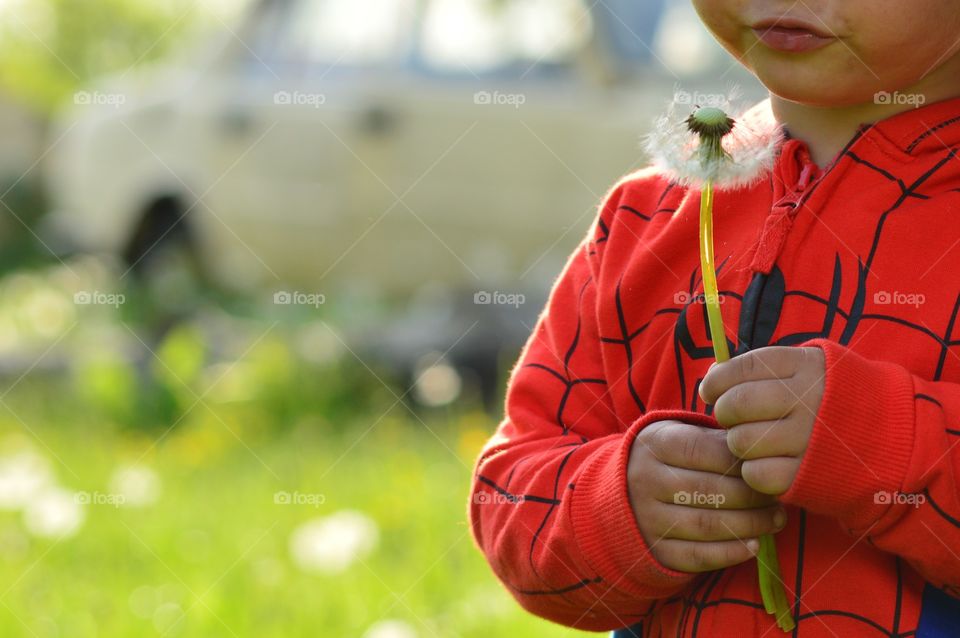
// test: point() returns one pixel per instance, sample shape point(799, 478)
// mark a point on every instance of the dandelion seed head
point(331, 544)
point(139, 486)
point(708, 120)
point(390, 629)
point(750, 146)
point(54, 513)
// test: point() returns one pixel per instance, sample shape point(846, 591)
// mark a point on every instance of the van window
point(348, 33)
point(481, 36)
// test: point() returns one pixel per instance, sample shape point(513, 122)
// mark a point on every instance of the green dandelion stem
point(712, 125)
point(708, 268)
point(771, 585)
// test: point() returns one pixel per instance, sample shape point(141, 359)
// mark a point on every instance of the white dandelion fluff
point(749, 147)
point(390, 629)
point(53, 513)
point(137, 485)
point(22, 476)
point(332, 543)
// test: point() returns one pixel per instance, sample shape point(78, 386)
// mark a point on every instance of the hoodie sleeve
point(549, 505)
point(884, 458)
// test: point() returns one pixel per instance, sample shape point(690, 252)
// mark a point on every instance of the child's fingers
point(773, 475)
point(766, 439)
point(695, 556)
point(696, 524)
point(755, 401)
point(691, 446)
point(680, 486)
point(772, 362)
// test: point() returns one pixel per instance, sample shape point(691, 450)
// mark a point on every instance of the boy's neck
point(827, 130)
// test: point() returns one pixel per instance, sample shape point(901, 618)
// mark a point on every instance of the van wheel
point(163, 264)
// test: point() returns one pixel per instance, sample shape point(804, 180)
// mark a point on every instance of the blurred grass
point(215, 543)
point(228, 412)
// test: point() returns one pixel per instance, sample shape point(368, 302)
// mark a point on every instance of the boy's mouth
point(791, 35)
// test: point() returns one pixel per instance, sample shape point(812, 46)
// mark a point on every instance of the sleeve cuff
point(604, 525)
point(862, 440)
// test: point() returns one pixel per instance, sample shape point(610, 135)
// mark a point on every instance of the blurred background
point(264, 267)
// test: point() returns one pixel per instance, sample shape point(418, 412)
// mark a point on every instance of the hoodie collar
point(929, 128)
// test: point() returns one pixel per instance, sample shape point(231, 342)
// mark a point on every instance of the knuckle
point(706, 485)
point(759, 523)
point(740, 401)
point(787, 399)
point(657, 435)
point(665, 554)
point(762, 476)
point(748, 364)
point(733, 553)
point(691, 450)
point(642, 474)
point(702, 556)
point(705, 522)
point(736, 441)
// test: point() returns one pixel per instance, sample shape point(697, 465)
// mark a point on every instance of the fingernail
point(780, 519)
point(753, 545)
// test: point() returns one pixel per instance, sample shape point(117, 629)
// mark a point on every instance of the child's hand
point(693, 509)
point(776, 392)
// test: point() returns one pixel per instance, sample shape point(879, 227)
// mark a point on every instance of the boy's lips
point(791, 35)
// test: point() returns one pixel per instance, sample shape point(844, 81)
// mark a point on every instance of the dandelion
point(138, 486)
point(743, 155)
point(695, 151)
point(390, 629)
point(331, 544)
point(22, 477)
point(53, 513)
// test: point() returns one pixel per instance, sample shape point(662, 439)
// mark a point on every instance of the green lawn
point(248, 475)
point(211, 555)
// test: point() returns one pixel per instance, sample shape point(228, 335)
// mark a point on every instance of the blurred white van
point(383, 144)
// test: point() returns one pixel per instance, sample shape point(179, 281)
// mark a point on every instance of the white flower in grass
point(53, 513)
point(751, 141)
point(390, 629)
point(22, 476)
point(139, 486)
point(332, 543)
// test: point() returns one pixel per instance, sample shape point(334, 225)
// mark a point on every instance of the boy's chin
point(825, 80)
point(819, 94)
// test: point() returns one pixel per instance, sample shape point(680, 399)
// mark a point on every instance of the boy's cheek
point(723, 18)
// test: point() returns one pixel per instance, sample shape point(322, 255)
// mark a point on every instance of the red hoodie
point(861, 259)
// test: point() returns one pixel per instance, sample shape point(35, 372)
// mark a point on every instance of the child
point(629, 481)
